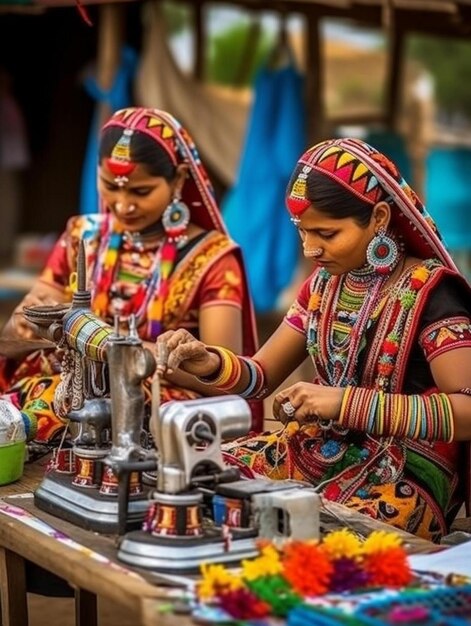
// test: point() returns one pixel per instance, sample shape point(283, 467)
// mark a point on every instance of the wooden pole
point(200, 41)
point(110, 40)
point(314, 79)
point(395, 66)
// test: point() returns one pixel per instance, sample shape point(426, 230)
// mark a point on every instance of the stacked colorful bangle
point(30, 422)
point(426, 417)
point(230, 371)
point(256, 388)
point(228, 374)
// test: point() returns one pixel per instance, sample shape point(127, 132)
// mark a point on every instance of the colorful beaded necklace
point(147, 303)
point(341, 310)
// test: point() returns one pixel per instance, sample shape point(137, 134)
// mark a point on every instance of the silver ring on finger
point(288, 409)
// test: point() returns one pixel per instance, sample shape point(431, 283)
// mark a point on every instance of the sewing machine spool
point(86, 505)
point(81, 487)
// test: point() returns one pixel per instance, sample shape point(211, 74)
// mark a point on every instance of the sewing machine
point(98, 474)
point(200, 510)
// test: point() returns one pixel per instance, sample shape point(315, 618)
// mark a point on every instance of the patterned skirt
point(365, 474)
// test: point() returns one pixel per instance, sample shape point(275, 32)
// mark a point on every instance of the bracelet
point(420, 417)
point(256, 387)
point(228, 373)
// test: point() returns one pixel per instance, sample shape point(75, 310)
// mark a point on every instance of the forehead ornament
point(297, 201)
point(299, 186)
point(120, 163)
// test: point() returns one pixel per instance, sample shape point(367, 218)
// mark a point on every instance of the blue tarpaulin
point(254, 209)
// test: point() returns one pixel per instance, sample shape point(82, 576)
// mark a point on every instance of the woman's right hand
point(178, 349)
point(17, 326)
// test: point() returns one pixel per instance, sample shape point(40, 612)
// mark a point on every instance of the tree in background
point(234, 54)
point(177, 17)
point(237, 53)
point(449, 62)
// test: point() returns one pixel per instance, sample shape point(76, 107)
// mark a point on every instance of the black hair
point(332, 198)
point(143, 149)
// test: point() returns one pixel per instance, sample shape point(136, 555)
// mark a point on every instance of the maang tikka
point(120, 163)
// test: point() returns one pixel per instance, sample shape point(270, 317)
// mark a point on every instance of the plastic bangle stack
point(30, 422)
point(229, 373)
point(256, 389)
point(425, 417)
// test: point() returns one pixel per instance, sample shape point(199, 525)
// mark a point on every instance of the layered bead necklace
point(341, 310)
point(139, 283)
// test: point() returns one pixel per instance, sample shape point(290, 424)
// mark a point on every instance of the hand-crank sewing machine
point(197, 509)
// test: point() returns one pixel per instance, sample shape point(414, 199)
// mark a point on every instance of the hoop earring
point(382, 252)
point(175, 220)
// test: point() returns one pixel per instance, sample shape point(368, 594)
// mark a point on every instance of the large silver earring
point(175, 220)
point(382, 252)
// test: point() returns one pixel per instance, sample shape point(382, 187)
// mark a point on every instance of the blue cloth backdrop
point(447, 187)
point(254, 209)
point(118, 97)
point(394, 147)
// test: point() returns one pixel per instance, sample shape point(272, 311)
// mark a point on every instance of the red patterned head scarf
point(371, 176)
point(167, 132)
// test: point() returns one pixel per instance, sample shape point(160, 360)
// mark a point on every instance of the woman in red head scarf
point(158, 251)
point(385, 318)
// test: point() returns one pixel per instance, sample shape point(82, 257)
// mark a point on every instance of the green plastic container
point(12, 458)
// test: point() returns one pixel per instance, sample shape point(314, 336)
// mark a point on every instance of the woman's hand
point(178, 349)
point(17, 326)
point(306, 402)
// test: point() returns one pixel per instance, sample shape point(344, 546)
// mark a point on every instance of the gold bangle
point(224, 371)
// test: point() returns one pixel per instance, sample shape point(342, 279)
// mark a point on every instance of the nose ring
point(119, 206)
point(315, 253)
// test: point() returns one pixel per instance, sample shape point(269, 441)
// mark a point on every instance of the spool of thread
point(87, 334)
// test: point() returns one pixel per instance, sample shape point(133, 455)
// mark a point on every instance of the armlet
point(445, 335)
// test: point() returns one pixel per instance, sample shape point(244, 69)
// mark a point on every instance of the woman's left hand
point(306, 402)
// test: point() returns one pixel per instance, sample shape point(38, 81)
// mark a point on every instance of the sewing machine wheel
point(200, 430)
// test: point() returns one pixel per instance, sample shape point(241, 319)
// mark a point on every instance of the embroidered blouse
point(444, 323)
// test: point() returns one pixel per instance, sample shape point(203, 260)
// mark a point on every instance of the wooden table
point(125, 586)
point(90, 578)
